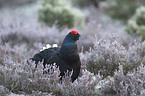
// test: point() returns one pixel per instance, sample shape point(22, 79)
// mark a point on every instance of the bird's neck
point(68, 50)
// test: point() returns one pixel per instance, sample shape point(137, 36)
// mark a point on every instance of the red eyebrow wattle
point(74, 32)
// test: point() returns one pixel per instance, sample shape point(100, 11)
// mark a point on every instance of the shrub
point(136, 25)
point(132, 84)
point(136, 56)
point(21, 78)
point(121, 9)
point(59, 12)
point(106, 55)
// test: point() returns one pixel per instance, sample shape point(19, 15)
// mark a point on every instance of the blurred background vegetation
point(112, 46)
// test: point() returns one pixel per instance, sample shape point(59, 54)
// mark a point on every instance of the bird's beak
point(79, 35)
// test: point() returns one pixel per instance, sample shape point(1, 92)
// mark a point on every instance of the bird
point(66, 57)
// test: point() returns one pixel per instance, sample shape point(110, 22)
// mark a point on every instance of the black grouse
point(66, 57)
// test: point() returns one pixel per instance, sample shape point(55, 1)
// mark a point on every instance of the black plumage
point(66, 57)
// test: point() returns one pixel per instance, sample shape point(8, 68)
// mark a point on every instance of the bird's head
point(74, 35)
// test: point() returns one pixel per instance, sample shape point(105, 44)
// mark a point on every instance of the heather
point(113, 61)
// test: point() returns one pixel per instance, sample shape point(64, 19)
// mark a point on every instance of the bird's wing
point(44, 55)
